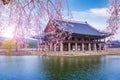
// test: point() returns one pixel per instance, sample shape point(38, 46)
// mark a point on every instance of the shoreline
point(111, 51)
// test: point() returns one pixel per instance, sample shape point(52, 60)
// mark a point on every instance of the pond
point(60, 68)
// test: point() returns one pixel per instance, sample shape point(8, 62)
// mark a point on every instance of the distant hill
point(31, 40)
point(34, 41)
point(2, 39)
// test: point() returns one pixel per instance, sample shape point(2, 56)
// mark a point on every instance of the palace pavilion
point(83, 38)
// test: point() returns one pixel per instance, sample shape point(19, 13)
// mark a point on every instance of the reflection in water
point(59, 68)
point(71, 67)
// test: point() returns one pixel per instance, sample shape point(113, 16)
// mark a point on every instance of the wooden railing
point(76, 41)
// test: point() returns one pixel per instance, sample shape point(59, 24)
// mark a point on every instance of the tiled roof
point(80, 28)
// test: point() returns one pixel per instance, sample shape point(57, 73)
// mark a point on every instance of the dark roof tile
point(80, 28)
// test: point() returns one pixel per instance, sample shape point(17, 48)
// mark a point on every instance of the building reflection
point(62, 67)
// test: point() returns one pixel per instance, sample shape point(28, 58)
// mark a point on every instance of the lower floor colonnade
point(73, 46)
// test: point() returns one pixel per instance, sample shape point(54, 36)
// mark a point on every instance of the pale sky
point(92, 11)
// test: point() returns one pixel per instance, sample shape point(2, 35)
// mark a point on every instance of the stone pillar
point(100, 46)
point(82, 46)
point(38, 47)
point(41, 47)
point(45, 47)
point(26, 45)
point(105, 47)
point(89, 46)
point(69, 47)
point(75, 46)
point(95, 47)
point(54, 47)
point(50, 48)
point(61, 46)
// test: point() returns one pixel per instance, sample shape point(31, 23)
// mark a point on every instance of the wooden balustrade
point(76, 41)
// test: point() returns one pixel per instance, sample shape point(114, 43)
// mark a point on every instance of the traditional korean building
point(84, 37)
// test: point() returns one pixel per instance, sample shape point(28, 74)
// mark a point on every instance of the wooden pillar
point(89, 46)
point(100, 46)
point(82, 46)
point(95, 47)
point(75, 46)
point(69, 47)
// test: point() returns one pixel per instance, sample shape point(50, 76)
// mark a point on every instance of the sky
point(92, 11)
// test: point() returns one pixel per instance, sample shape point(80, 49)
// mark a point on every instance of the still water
point(59, 68)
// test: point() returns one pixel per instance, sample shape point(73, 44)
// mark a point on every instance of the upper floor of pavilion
point(79, 30)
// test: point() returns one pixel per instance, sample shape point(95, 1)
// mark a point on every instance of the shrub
point(8, 45)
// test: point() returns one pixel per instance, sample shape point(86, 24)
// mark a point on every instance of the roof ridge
point(72, 21)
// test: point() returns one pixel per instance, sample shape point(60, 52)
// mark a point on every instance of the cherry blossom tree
point(114, 19)
point(28, 16)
